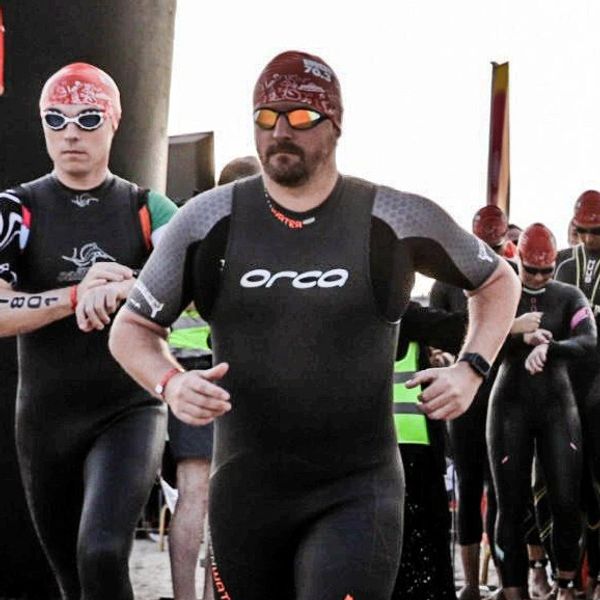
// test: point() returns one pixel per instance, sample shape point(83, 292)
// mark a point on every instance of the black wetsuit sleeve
point(432, 242)
point(433, 327)
point(163, 289)
point(582, 340)
point(11, 221)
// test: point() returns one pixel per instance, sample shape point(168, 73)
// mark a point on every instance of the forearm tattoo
point(34, 301)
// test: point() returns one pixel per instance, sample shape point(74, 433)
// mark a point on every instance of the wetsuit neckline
point(92, 191)
point(533, 292)
point(300, 219)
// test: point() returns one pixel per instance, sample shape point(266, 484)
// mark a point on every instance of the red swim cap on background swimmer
point(81, 83)
point(587, 210)
point(490, 225)
point(304, 78)
point(537, 246)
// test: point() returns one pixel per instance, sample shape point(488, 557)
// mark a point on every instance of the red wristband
point(73, 297)
point(160, 387)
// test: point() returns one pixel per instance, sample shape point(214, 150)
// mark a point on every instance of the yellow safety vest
point(411, 425)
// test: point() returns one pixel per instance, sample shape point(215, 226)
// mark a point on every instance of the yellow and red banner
point(498, 191)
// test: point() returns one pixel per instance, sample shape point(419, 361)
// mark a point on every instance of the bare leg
point(513, 593)
point(470, 561)
point(538, 578)
point(186, 529)
point(566, 594)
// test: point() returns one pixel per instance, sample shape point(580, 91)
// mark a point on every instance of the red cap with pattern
point(304, 78)
point(587, 210)
point(81, 83)
point(537, 246)
point(490, 225)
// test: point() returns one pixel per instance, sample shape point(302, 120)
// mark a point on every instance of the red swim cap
point(587, 210)
point(490, 225)
point(303, 78)
point(80, 83)
point(537, 246)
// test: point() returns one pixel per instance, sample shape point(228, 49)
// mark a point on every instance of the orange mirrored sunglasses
point(297, 118)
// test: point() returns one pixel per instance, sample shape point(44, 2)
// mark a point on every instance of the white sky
point(415, 77)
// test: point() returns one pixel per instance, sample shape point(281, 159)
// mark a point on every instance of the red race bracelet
point(73, 297)
point(160, 387)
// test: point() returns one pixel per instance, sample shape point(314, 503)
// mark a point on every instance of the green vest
point(411, 425)
point(187, 334)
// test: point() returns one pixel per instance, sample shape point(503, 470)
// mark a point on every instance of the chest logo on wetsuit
point(83, 200)
point(309, 279)
point(83, 259)
point(589, 271)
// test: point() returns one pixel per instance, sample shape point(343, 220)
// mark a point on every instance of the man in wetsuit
point(303, 275)
point(89, 439)
point(580, 266)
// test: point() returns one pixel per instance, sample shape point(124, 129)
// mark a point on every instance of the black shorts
point(189, 441)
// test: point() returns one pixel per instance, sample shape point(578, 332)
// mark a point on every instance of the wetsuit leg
point(511, 446)
point(118, 475)
point(559, 451)
point(352, 551)
point(340, 539)
point(467, 437)
point(54, 495)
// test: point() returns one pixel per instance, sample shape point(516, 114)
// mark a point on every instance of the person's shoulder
point(565, 290)
point(22, 192)
point(12, 197)
point(564, 255)
point(201, 213)
point(410, 214)
point(216, 200)
point(565, 263)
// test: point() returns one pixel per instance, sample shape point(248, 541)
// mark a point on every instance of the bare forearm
point(21, 312)
point(492, 311)
point(140, 348)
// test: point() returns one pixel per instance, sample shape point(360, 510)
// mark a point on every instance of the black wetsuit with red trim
point(539, 412)
point(307, 490)
point(89, 439)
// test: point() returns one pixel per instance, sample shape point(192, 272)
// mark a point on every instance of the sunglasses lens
point(90, 120)
point(536, 270)
point(303, 118)
point(55, 120)
point(265, 118)
point(584, 230)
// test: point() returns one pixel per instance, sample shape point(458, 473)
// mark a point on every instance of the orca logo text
point(309, 279)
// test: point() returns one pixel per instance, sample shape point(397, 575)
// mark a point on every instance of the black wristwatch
point(477, 363)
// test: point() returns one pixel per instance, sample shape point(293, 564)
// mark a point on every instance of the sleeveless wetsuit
point(89, 439)
point(306, 492)
point(539, 411)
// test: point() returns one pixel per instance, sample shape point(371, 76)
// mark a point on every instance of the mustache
point(284, 146)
